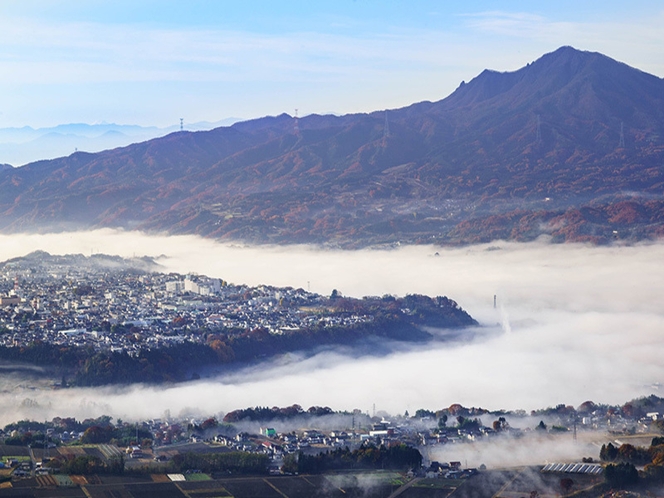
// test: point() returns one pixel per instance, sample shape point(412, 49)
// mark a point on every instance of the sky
point(154, 62)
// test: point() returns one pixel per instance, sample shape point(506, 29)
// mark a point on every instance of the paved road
point(404, 487)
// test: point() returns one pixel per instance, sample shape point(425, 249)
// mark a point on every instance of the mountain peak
point(567, 70)
point(570, 55)
point(566, 51)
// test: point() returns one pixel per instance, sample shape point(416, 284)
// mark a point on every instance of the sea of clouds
point(571, 323)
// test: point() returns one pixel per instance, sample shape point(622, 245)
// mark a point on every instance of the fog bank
point(572, 323)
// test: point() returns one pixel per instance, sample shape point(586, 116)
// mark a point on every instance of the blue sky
point(152, 62)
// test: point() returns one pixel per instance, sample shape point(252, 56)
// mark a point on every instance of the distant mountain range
point(24, 145)
point(570, 146)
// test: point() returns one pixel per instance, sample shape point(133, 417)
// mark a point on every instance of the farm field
point(506, 483)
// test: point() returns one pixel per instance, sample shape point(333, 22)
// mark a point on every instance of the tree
point(621, 475)
point(658, 425)
point(469, 424)
point(116, 464)
point(290, 464)
point(210, 423)
point(587, 407)
point(86, 465)
point(608, 453)
point(566, 484)
point(633, 454)
point(97, 435)
point(654, 473)
point(500, 424)
point(442, 422)
point(541, 426)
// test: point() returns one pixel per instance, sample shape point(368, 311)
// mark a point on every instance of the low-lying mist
point(572, 323)
point(499, 451)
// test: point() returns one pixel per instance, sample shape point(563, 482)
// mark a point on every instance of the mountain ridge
point(23, 145)
point(558, 147)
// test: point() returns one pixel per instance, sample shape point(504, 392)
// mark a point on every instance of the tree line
point(621, 471)
point(396, 456)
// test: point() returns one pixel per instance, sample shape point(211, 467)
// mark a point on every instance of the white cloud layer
point(573, 323)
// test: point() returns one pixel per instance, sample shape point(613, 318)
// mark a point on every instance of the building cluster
point(171, 436)
point(117, 308)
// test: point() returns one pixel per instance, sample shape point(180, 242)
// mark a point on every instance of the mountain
point(570, 146)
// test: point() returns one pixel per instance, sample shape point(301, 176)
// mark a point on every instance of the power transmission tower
point(539, 129)
point(296, 128)
point(621, 144)
point(386, 130)
point(181, 124)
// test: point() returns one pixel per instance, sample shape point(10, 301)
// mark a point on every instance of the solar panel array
point(574, 468)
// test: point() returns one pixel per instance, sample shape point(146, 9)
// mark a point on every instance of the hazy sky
point(152, 62)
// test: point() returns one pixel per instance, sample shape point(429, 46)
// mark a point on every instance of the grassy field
point(65, 480)
point(19, 458)
point(439, 483)
point(197, 477)
point(415, 492)
point(203, 489)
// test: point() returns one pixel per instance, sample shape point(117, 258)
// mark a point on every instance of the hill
point(114, 320)
point(570, 146)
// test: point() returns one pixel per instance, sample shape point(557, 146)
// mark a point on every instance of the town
point(111, 304)
point(289, 446)
point(74, 313)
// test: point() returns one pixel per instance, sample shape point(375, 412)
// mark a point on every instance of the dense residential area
point(320, 452)
point(102, 320)
point(59, 301)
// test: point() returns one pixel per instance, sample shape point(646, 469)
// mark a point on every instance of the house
point(268, 432)
point(223, 440)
